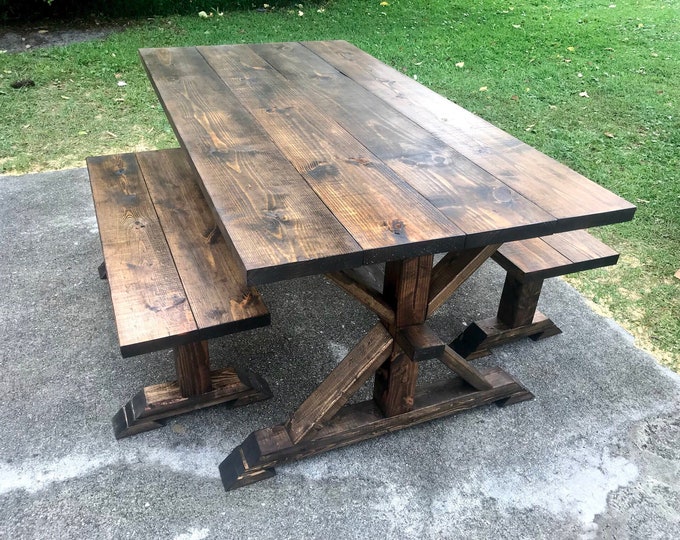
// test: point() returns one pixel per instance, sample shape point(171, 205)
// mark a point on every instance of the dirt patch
point(14, 39)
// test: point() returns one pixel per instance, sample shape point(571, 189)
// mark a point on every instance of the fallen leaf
point(584, 94)
point(517, 26)
point(514, 98)
point(65, 97)
point(483, 88)
point(122, 83)
point(610, 135)
point(43, 31)
point(460, 64)
point(202, 14)
point(571, 49)
point(383, 4)
point(677, 274)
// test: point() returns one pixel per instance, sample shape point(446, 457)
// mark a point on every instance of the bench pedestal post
point(517, 318)
point(196, 387)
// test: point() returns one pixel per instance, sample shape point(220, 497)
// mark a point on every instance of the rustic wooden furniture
point(173, 283)
point(317, 158)
point(528, 263)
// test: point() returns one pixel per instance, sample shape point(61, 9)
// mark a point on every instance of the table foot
point(153, 404)
point(480, 337)
point(262, 450)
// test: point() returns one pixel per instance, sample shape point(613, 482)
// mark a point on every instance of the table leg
point(324, 421)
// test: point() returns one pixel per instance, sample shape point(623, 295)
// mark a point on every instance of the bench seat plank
point(528, 263)
point(171, 275)
point(219, 299)
point(149, 303)
point(554, 255)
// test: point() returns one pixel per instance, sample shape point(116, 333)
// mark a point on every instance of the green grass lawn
point(594, 84)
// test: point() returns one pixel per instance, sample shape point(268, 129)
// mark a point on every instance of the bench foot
point(153, 404)
point(478, 338)
point(102, 271)
point(262, 450)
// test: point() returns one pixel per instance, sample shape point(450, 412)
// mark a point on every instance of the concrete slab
point(596, 454)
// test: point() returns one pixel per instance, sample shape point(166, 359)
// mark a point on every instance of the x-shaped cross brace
point(412, 291)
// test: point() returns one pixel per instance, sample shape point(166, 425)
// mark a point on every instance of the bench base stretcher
point(149, 408)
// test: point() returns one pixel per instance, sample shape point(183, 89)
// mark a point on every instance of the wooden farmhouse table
point(316, 158)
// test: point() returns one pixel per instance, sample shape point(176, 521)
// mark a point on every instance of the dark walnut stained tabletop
point(317, 157)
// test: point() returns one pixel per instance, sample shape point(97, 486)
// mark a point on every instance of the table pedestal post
point(389, 351)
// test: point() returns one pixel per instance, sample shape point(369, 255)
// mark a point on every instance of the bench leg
point(517, 318)
point(196, 387)
point(102, 271)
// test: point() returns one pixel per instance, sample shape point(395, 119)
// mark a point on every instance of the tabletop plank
point(387, 217)
point(269, 214)
point(218, 300)
point(574, 200)
point(481, 205)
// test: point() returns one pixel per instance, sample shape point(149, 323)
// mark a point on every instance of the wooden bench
point(528, 263)
point(173, 281)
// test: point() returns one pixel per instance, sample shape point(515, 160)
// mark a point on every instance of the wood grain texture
point(173, 280)
point(276, 223)
point(572, 199)
point(365, 294)
point(385, 215)
point(149, 302)
point(354, 370)
point(452, 271)
point(582, 249)
point(192, 364)
point(519, 300)
point(219, 298)
point(419, 342)
point(255, 458)
point(554, 255)
point(461, 367)
point(479, 337)
point(406, 288)
point(148, 408)
point(478, 203)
